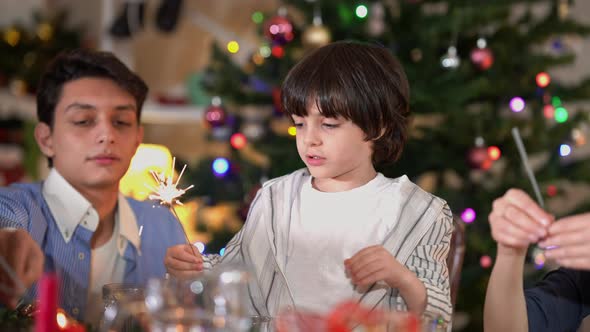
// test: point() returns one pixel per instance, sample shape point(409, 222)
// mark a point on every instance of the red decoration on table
point(347, 317)
point(46, 321)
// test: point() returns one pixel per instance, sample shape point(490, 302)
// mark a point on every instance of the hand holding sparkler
point(21, 264)
point(167, 192)
point(516, 220)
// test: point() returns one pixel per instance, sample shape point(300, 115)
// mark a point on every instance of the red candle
point(45, 320)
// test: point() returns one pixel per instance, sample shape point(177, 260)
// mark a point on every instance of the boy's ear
point(44, 139)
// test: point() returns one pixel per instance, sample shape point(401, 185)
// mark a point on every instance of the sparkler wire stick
point(19, 284)
point(183, 231)
point(527, 167)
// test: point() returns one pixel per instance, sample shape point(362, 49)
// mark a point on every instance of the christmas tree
point(476, 70)
point(25, 50)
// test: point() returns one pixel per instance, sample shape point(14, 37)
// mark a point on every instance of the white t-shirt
point(107, 266)
point(328, 228)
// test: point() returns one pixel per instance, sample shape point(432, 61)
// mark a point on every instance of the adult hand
point(517, 221)
point(568, 242)
point(24, 258)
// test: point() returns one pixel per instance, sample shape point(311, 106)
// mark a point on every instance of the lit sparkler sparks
point(167, 192)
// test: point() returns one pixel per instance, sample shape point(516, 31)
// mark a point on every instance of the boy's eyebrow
point(85, 106)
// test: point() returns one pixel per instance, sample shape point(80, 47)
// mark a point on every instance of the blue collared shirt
point(67, 244)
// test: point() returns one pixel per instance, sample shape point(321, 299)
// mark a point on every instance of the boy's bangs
point(321, 88)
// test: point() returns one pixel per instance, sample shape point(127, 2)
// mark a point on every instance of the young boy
point(76, 221)
point(338, 229)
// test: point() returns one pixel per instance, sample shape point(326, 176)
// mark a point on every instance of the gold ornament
point(316, 36)
point(12, 36)
point(45, 31)
point(18, 87)
point(563, 9)
point(416, 54)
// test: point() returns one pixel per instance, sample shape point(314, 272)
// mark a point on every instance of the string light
point(238, 140)
point(494, 153)
point(292, 131)
point(560, 114)
point(548, 111)
point(517, 104)
point(485, 261)
point(468, 215)
point(257, 17)
point(257, 59)
point(264, 51)
point(277, 51)
point(233, 46)
point(200, 247)
point(220, 166)
point(361, 11)
point(543, 79)
point(565, 150)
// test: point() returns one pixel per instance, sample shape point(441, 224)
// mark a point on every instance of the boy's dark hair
point(359, 82)
point(79, 63)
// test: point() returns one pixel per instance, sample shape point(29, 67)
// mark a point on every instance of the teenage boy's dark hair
point(75, 64)
point(359, 82)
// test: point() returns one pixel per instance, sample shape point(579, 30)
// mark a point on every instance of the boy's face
point(95, 133)
point(333, 149)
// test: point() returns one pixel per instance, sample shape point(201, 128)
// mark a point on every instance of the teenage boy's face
point(95, 133)
point(333, 148)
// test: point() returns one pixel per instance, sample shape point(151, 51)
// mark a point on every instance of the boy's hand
point(517, 221)
point(373, 264)
point(24, 257)
point(182, 263)
point(570, 238)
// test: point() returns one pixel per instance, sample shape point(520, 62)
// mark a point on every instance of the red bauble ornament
point(477, 156)
point(482, 58)
point(215, 116)
point(279, 30)
point(551, 190)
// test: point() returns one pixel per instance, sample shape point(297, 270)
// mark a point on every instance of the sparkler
point(168, 193)
point(527, 167)
point(538, 254)
point(20, 287)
